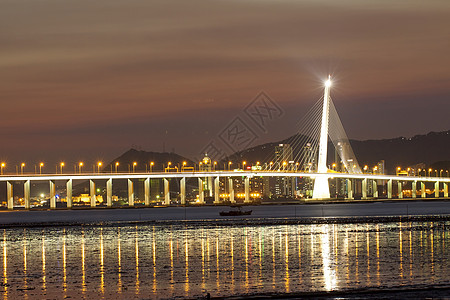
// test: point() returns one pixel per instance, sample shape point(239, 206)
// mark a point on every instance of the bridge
point(315, 141)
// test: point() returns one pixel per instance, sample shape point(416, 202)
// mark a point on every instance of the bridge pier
point(445, 189)
point(166, 192)
point(201, 193)
point(147, 192)
point(349, 189)
point(364, 188)
point(399, 189)
point(52, 194)
point(436, 189)
point(375, 188)
point(92, 193)
point(109, 192)
point(9, 195)
point(26, 194)
point(247, 189)
point(389, 189)
point(422, 190)
point(69, 191)
point(216, 190)
point(231, 190)
point(414, 189)
point(183, 191)
point(130, 192)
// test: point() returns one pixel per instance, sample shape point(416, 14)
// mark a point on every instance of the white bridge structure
point(318, 173)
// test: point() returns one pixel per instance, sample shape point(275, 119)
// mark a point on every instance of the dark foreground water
point(147, 261)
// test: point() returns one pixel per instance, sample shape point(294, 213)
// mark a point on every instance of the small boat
point(237, 212)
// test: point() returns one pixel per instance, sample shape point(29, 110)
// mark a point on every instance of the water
point(148, 261)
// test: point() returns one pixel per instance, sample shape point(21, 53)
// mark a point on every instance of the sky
point(88, 80)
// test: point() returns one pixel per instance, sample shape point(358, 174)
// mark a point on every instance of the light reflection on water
point(168, 261)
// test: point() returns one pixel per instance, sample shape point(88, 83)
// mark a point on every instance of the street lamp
point(80, 165)
point(21, 167)
point(184, 165)
point(40, 167)
point(429, 172)
point(270, 165)
point(134, 166)
point(214, 165)
point(99, 164)
point(243, 165)
point(440, 173)
point(151, 166)
point(116, 165)
point(62, 164)
point(284, 165)
point(229, 165)
point(2, 167)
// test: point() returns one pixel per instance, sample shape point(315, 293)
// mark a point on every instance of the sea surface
point(181, 260)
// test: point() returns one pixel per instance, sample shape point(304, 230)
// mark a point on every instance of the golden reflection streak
point(203, 262)
point(400, 238)
point(186, 249)
point(5, 266)
point(102, 266)
point(432, 251)
point(44, 277)
point(25, 282)
point(154, 260)
point(410, 252)
point(328, 271)
point(273, 259)
point(286, 260)
point(171, 260)
point(356, 256)
point(119, 264)
point(136, 249)
point(232, 262)
point(378, 254)
point(368, 253)
point(83, 270)
point(347, 252)
point(299, 239)
point(260, 253)
point(246, 283)
point(217, 262)
point(64, 262)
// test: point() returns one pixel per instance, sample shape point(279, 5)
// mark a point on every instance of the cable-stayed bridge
point(319, 125)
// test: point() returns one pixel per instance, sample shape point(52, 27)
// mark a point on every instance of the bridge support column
point(216, 190)
point(9, 195)
point(92, 193)
point(422, 190)
point(364, 188)
point(201, 194)
point(414, 189)
point(52, 194)
point(445, 189)
point(147, 192)
point(26, 194)
point(130, 192)
point(400, 190)
point(231, 190)
point(183, 191)
point(166, 192)
point(69, 191)
point(436, 189)
point(375, 189)
point(247, 189)
point(389, 189)
point(109, 192)
point(349, 189)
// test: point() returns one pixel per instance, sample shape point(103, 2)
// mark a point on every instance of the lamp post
point(99, 164)
point(440, 173)
point(134, 166)
point(270, 165)
point(214, 165)
point(21, 168)
point(429, 172)
point(40, 167)
point(151, 166)
point(243, 165)
point(2, 167)
point(184, 165)
point(117, 165)
point(80, 166)
point(62, 164)
point(229, 165)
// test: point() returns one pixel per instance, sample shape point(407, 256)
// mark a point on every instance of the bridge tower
point(321, 188)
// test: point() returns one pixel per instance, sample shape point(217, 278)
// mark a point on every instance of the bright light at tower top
point(328, 82)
